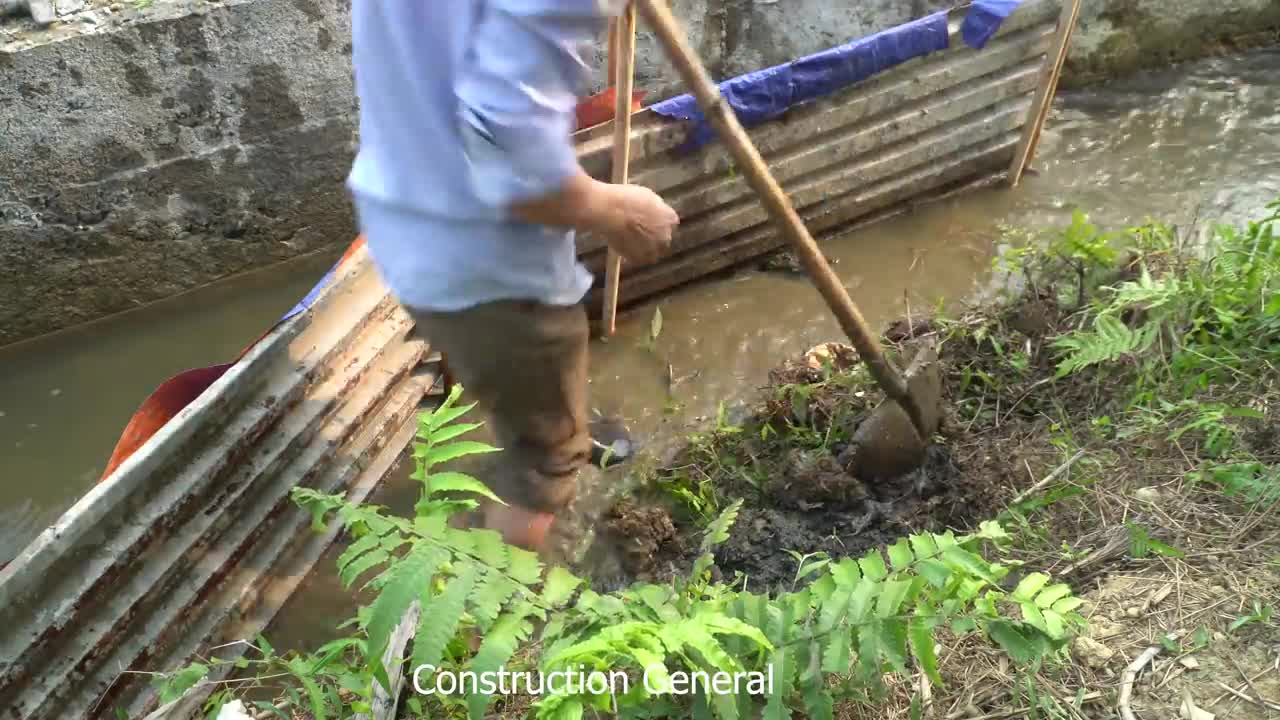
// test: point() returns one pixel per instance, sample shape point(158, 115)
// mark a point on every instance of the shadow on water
point(1198, 141)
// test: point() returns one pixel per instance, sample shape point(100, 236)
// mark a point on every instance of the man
point(468, 191)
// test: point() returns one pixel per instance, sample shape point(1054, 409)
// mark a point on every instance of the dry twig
point(1128, 678)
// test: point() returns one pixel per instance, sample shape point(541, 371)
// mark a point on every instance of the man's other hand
point(642, 225)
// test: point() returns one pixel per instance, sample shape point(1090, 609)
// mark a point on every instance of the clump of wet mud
point(788, 462)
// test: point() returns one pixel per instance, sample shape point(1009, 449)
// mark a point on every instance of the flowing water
point(1198, 142)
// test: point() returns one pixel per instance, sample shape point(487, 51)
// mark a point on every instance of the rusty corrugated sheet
point(947, 120)
point(193, 541)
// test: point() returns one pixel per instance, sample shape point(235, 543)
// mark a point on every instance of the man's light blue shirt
point(467, 106)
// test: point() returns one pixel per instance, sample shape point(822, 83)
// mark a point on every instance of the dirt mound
point(788, 463)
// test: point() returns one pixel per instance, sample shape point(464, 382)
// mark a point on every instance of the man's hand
point(643, 224)
point(632, 219)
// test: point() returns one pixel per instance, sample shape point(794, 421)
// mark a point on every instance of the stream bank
point(1117, 410)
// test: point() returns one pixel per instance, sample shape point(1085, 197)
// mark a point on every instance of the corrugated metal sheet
point(947, 120)
point(193, 541)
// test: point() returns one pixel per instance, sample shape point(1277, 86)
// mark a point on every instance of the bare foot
point(519, 526)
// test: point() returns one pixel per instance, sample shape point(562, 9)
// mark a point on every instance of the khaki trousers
point(525, 364)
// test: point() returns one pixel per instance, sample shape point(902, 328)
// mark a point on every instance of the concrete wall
point(143, 159)
point(150, 151)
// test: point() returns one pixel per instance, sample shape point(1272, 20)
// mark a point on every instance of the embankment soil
point(1146, 479)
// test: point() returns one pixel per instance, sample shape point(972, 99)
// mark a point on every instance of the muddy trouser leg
point(525, 363)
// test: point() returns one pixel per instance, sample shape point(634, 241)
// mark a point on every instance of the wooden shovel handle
point(753, 166)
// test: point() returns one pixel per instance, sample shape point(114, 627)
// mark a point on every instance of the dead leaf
point(1191, 711)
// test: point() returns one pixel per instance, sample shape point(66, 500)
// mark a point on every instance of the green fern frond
point(559, 586)
point(440, 617)
point(718, 530)
point(1110, 340)
point(404, 584)
point(500, 643)
point(490, 594)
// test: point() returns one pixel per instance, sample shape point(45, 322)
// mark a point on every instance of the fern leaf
point(834, 610)
point(1052, 595)
point(490, 594)
point(1067, 605)
point(936, 573)
point(964, 561)
point(818, 703)
point(447, 412)
point(441, 614)
point(499, 645)
point(782, 665)
point(836, 657)
point(860, 601)
point(404, 584)
point(846, 573)
point(900, 555)
point(361, 546)
point(891, 638)
point(559, 586)
point(1017, 645)
point(445, 434)
point(892, 595)
point(692, 634)
point(436, 454)
point(924, 546)
point(718, 530)
point(724, 625)
point(524, 567)
point(1030, 585)
point(458, 482)
point(359, 566)
point(490, 549)
point(873, 567)
point(560, 707)
point(920, 633)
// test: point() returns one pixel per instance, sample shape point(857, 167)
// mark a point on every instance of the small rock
point(1147, 495)
point(1217, 589)
point(1219, 636)
point(1133, 612)
point(1091, 652)
point(1189, 663)
point(55, 392)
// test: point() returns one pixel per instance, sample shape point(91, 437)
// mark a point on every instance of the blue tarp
point(984, 19)
point(765, 94)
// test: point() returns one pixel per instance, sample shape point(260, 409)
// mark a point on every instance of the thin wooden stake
point(1044, 93)
point(622, 64)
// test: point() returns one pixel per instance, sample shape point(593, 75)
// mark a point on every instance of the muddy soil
point(788, 461)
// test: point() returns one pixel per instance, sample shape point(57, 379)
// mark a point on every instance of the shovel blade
point(887, 444)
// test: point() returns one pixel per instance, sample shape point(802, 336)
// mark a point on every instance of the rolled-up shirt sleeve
point(518, 89)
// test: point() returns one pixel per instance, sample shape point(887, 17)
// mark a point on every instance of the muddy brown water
point(1201, 140)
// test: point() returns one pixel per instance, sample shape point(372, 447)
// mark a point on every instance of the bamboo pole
point(1045, 91)
point(622, 66)
point(783, 213)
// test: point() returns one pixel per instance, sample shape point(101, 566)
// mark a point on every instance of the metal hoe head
point(887, 444)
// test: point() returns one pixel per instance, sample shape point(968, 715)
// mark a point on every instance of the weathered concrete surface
point(1116, 37)
point(145, 159)
point(149, 152)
